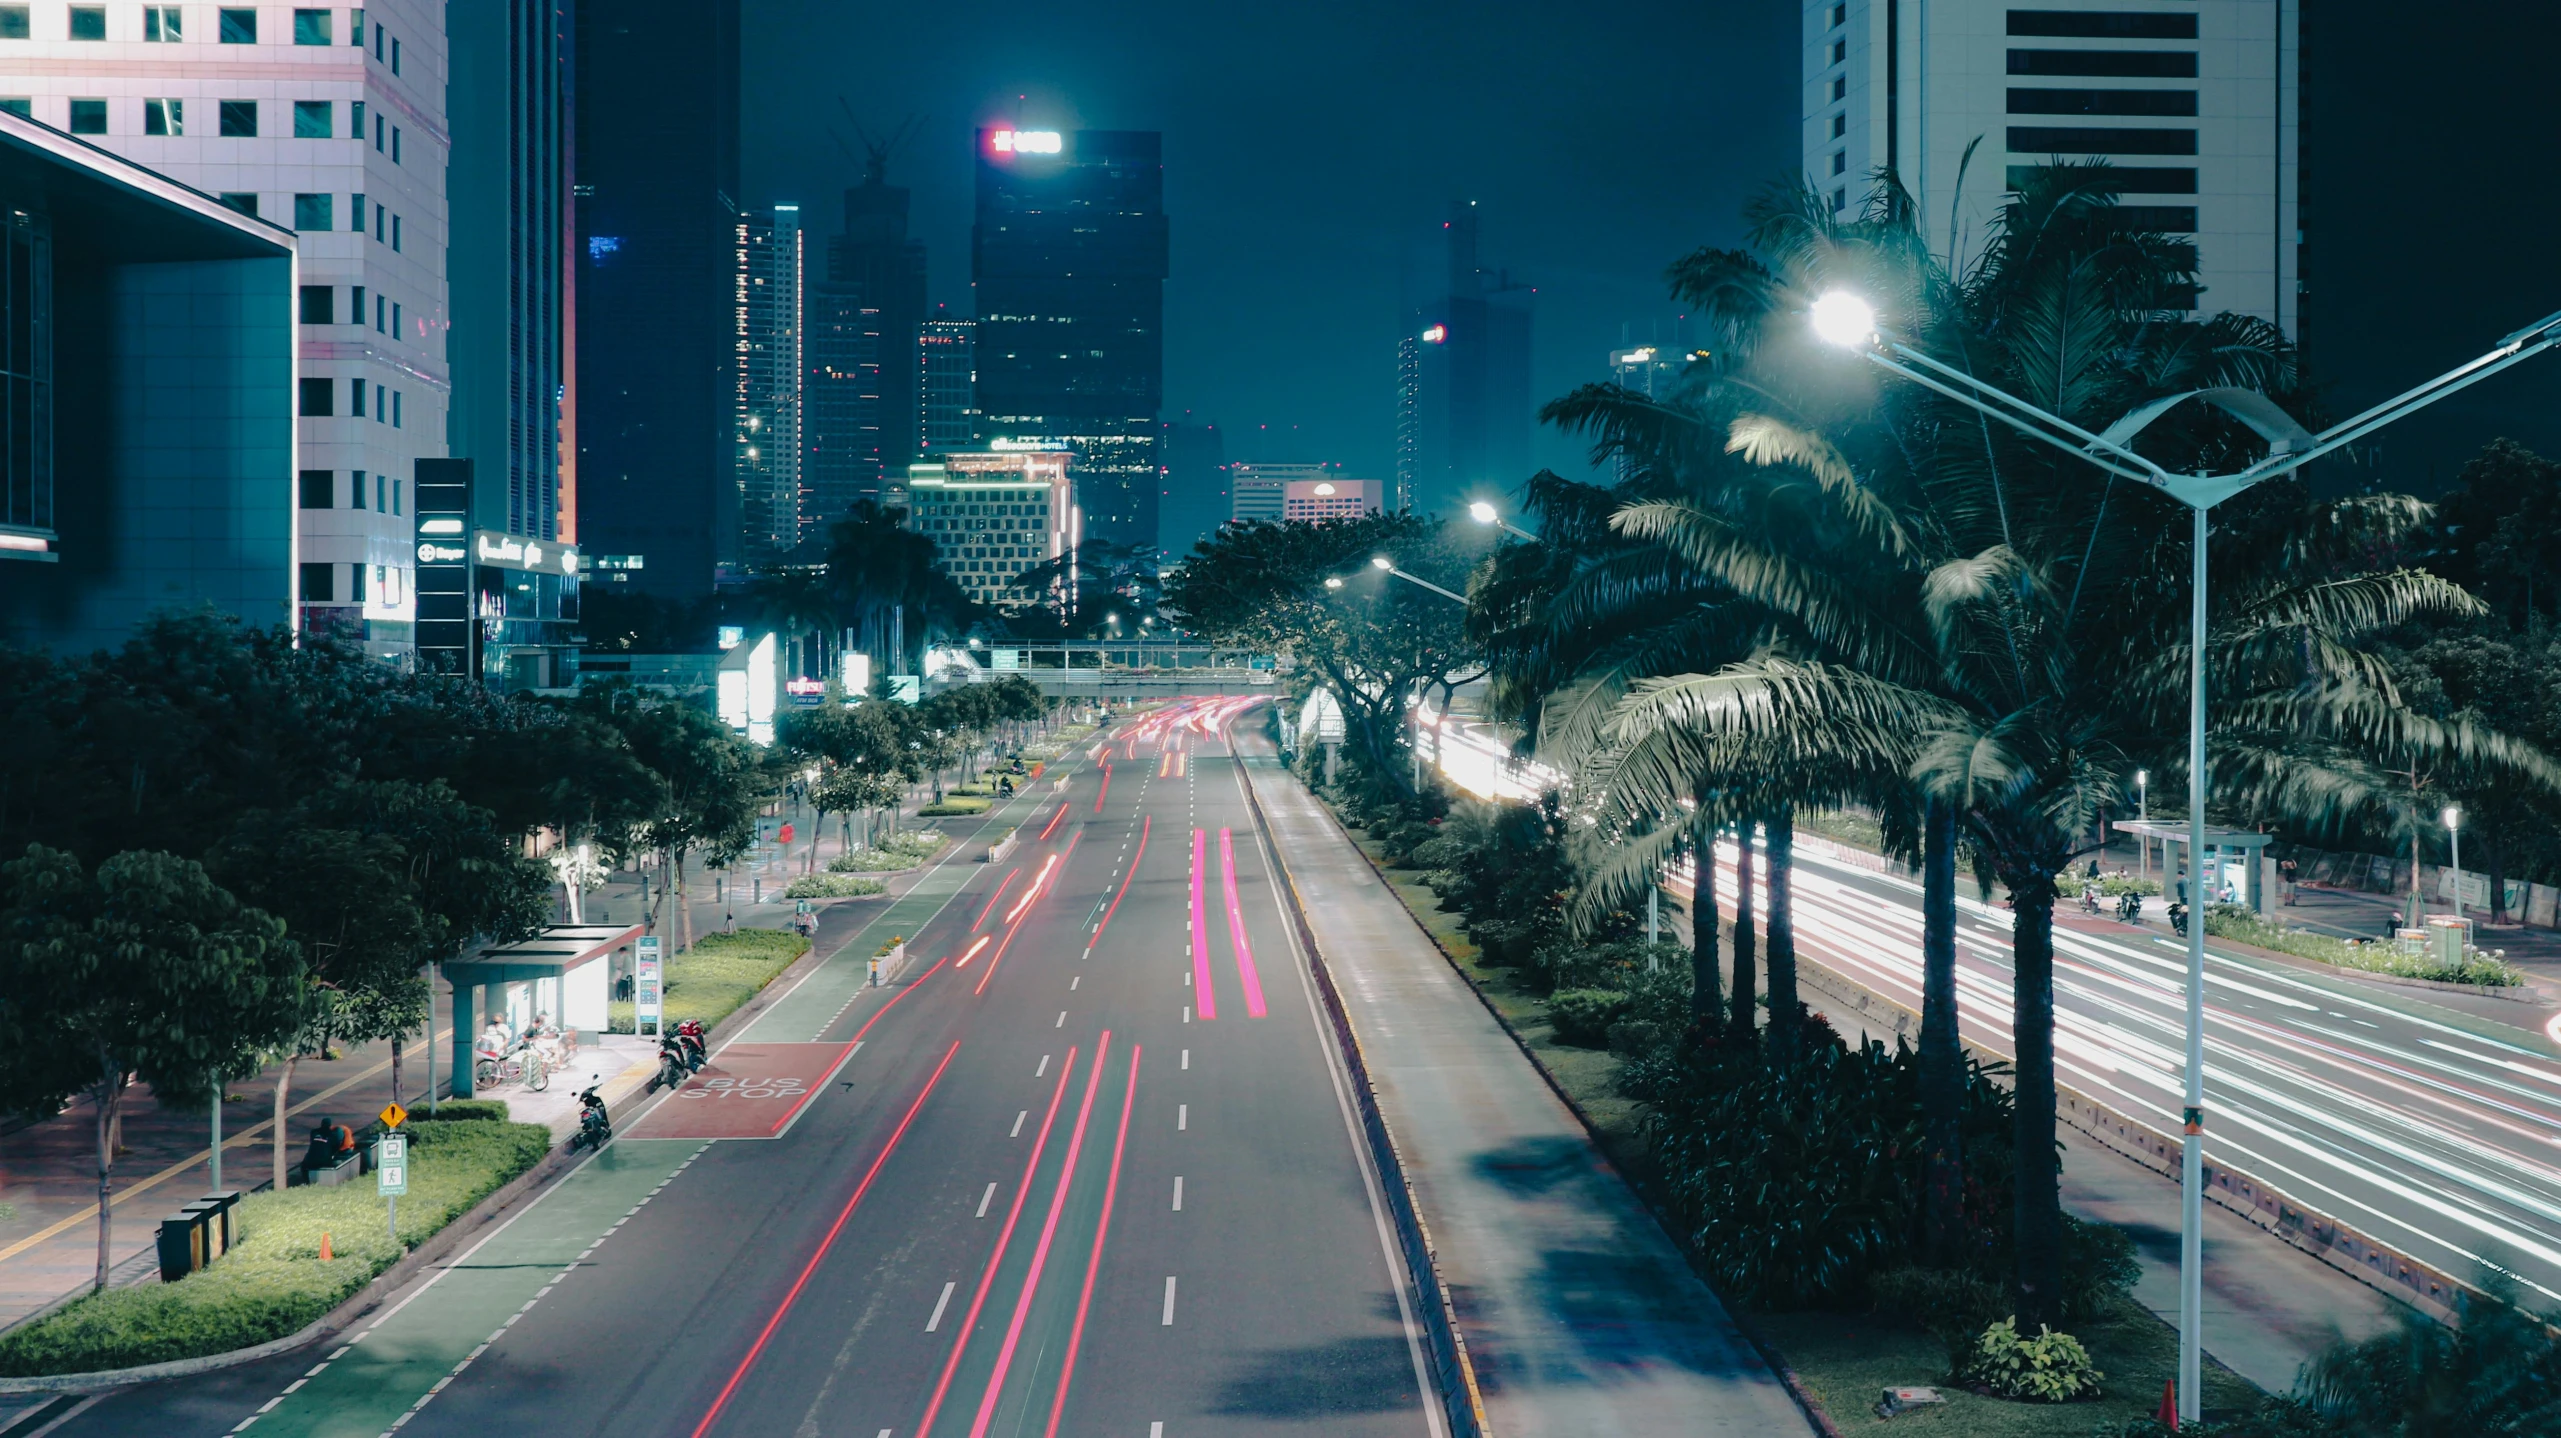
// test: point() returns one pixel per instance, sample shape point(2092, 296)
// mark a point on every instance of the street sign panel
point(391, 1164)
point(393, 1115)
point(646, 998)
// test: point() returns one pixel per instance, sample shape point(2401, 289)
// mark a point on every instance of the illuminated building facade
point(1069, 260)
point(2195, 107)
point(992, 515)
point(766, 365)
point(946, 386)
point(1314, 500)
point(843, 459)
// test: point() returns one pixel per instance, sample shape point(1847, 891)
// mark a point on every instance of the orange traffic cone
point(2167, 1415)
point(325, 1255)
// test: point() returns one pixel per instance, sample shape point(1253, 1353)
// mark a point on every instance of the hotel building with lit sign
point(1322, 499)
point(993, 514)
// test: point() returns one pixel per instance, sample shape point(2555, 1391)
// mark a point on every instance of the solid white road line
point(939, 1304)
point(1169, 1302)
point(986, 1198)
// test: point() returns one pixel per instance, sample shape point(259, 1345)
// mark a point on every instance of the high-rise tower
point(1463, 412)
point(887, 269)
point(1069, 260)
point(766, 319)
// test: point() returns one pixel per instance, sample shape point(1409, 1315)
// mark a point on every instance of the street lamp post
point(1485, 513)
point(2454, 836)
point(1845, 320)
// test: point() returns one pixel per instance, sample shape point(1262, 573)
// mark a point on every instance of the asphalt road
point(1049, 1193)
point(2433, 1130)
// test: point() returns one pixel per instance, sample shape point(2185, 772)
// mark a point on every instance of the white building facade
point(2195, 103)
point(329, 121)
point(994, 514)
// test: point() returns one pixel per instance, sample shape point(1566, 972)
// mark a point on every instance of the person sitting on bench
point(331, 1145)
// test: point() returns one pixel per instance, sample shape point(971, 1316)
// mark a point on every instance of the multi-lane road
point(2431, 1130)
point(1086, 1167)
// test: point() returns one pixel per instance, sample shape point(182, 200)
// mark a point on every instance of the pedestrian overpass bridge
point(1161, 669)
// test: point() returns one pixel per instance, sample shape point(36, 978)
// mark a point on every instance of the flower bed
point(272, 1283)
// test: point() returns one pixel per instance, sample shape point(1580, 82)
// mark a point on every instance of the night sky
point(1311, 150)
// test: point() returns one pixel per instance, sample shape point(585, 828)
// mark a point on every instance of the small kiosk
point(566, 971)
point(2234, 859)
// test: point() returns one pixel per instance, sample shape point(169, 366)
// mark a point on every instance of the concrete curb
point(1796, 1389)
point(2377, 1265)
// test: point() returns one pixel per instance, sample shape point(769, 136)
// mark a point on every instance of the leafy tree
point(1375, 640)
point(714, 787)
point(144, 968)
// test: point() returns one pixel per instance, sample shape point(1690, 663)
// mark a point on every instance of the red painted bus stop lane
point(746, 1091)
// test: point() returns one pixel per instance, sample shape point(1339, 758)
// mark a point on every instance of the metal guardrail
point(1453, 1375)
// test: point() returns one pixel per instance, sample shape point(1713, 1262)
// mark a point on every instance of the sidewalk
point(1579, 1313)
point(48, 1170)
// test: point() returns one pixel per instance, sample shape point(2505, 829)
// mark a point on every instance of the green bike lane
point(375, 1378)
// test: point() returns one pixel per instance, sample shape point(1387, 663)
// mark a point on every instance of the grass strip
point(272, 1283)
point(721, 971)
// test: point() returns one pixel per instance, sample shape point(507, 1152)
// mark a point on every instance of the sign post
point(646, 998)
point(391, 1164)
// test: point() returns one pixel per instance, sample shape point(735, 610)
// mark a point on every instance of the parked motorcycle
point(595, 1126)
point(2179, 919)
point(673, 1065)
point(690, 1034)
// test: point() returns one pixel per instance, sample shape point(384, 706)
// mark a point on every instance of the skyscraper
point(841, 406)
point(1069, 260)
point(656, 215)
point(1195, 499)
point(766, 338)
point(341, 137)
point(1464, 411)
point(946, 385)
point(508, 185)
point(2195, 106)
point(875, 255)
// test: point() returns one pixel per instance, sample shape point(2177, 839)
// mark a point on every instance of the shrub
point(1794, 1183)
point(272, 1282)
point(954, 805)
point(919, 842)
point(833, 886)
point(2117, 886)
point(1658, 1008)
point(2242, 924)
point(1438, 852)
point(1583, 1016)
point(873, 861)
point(2098, 1265)
point(470, 1110)
point(2049, 1368)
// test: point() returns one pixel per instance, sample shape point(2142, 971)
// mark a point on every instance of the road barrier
point(1453, 1375)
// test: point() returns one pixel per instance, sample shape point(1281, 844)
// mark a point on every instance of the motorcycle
point(2179, 919)
point(2090, 902)
point(2129, 908)
point(594, 1125)
point(673, 1066)
point(690, 1034)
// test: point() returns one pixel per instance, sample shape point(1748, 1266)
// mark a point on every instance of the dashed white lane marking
point(1187, 1058)
point(1168, 1321)
point(1018, 1123)
point(1187, 1013)
point(985, 1199)
point(1178, 1193)
point(939, 1304)
point(1043, 1070)
point(1062, 1020)
point(1154, 1430)
point(1072, 983)
point(1182, 1117)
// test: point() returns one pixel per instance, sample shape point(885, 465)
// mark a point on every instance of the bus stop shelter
point(2233, 857)
point(566, 971)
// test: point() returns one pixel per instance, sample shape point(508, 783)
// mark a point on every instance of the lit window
point(239, 27)
point(312, 120)
point(88, 117)
point(240, 119)
point(161, 24)
point(164, 117)
point(88, 22)
point(311, 27)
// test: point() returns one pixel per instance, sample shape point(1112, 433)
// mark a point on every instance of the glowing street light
point(1483, 512)
point(1841, 318)
point(1381, 561)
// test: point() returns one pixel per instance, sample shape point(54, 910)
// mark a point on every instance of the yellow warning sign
point(393, 1116)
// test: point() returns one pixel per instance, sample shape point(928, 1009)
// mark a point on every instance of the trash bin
point(182, 1244)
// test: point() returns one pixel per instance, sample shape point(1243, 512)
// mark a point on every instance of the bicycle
point(525, 1065)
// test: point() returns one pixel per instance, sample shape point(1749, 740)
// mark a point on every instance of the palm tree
point(1957, 613)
